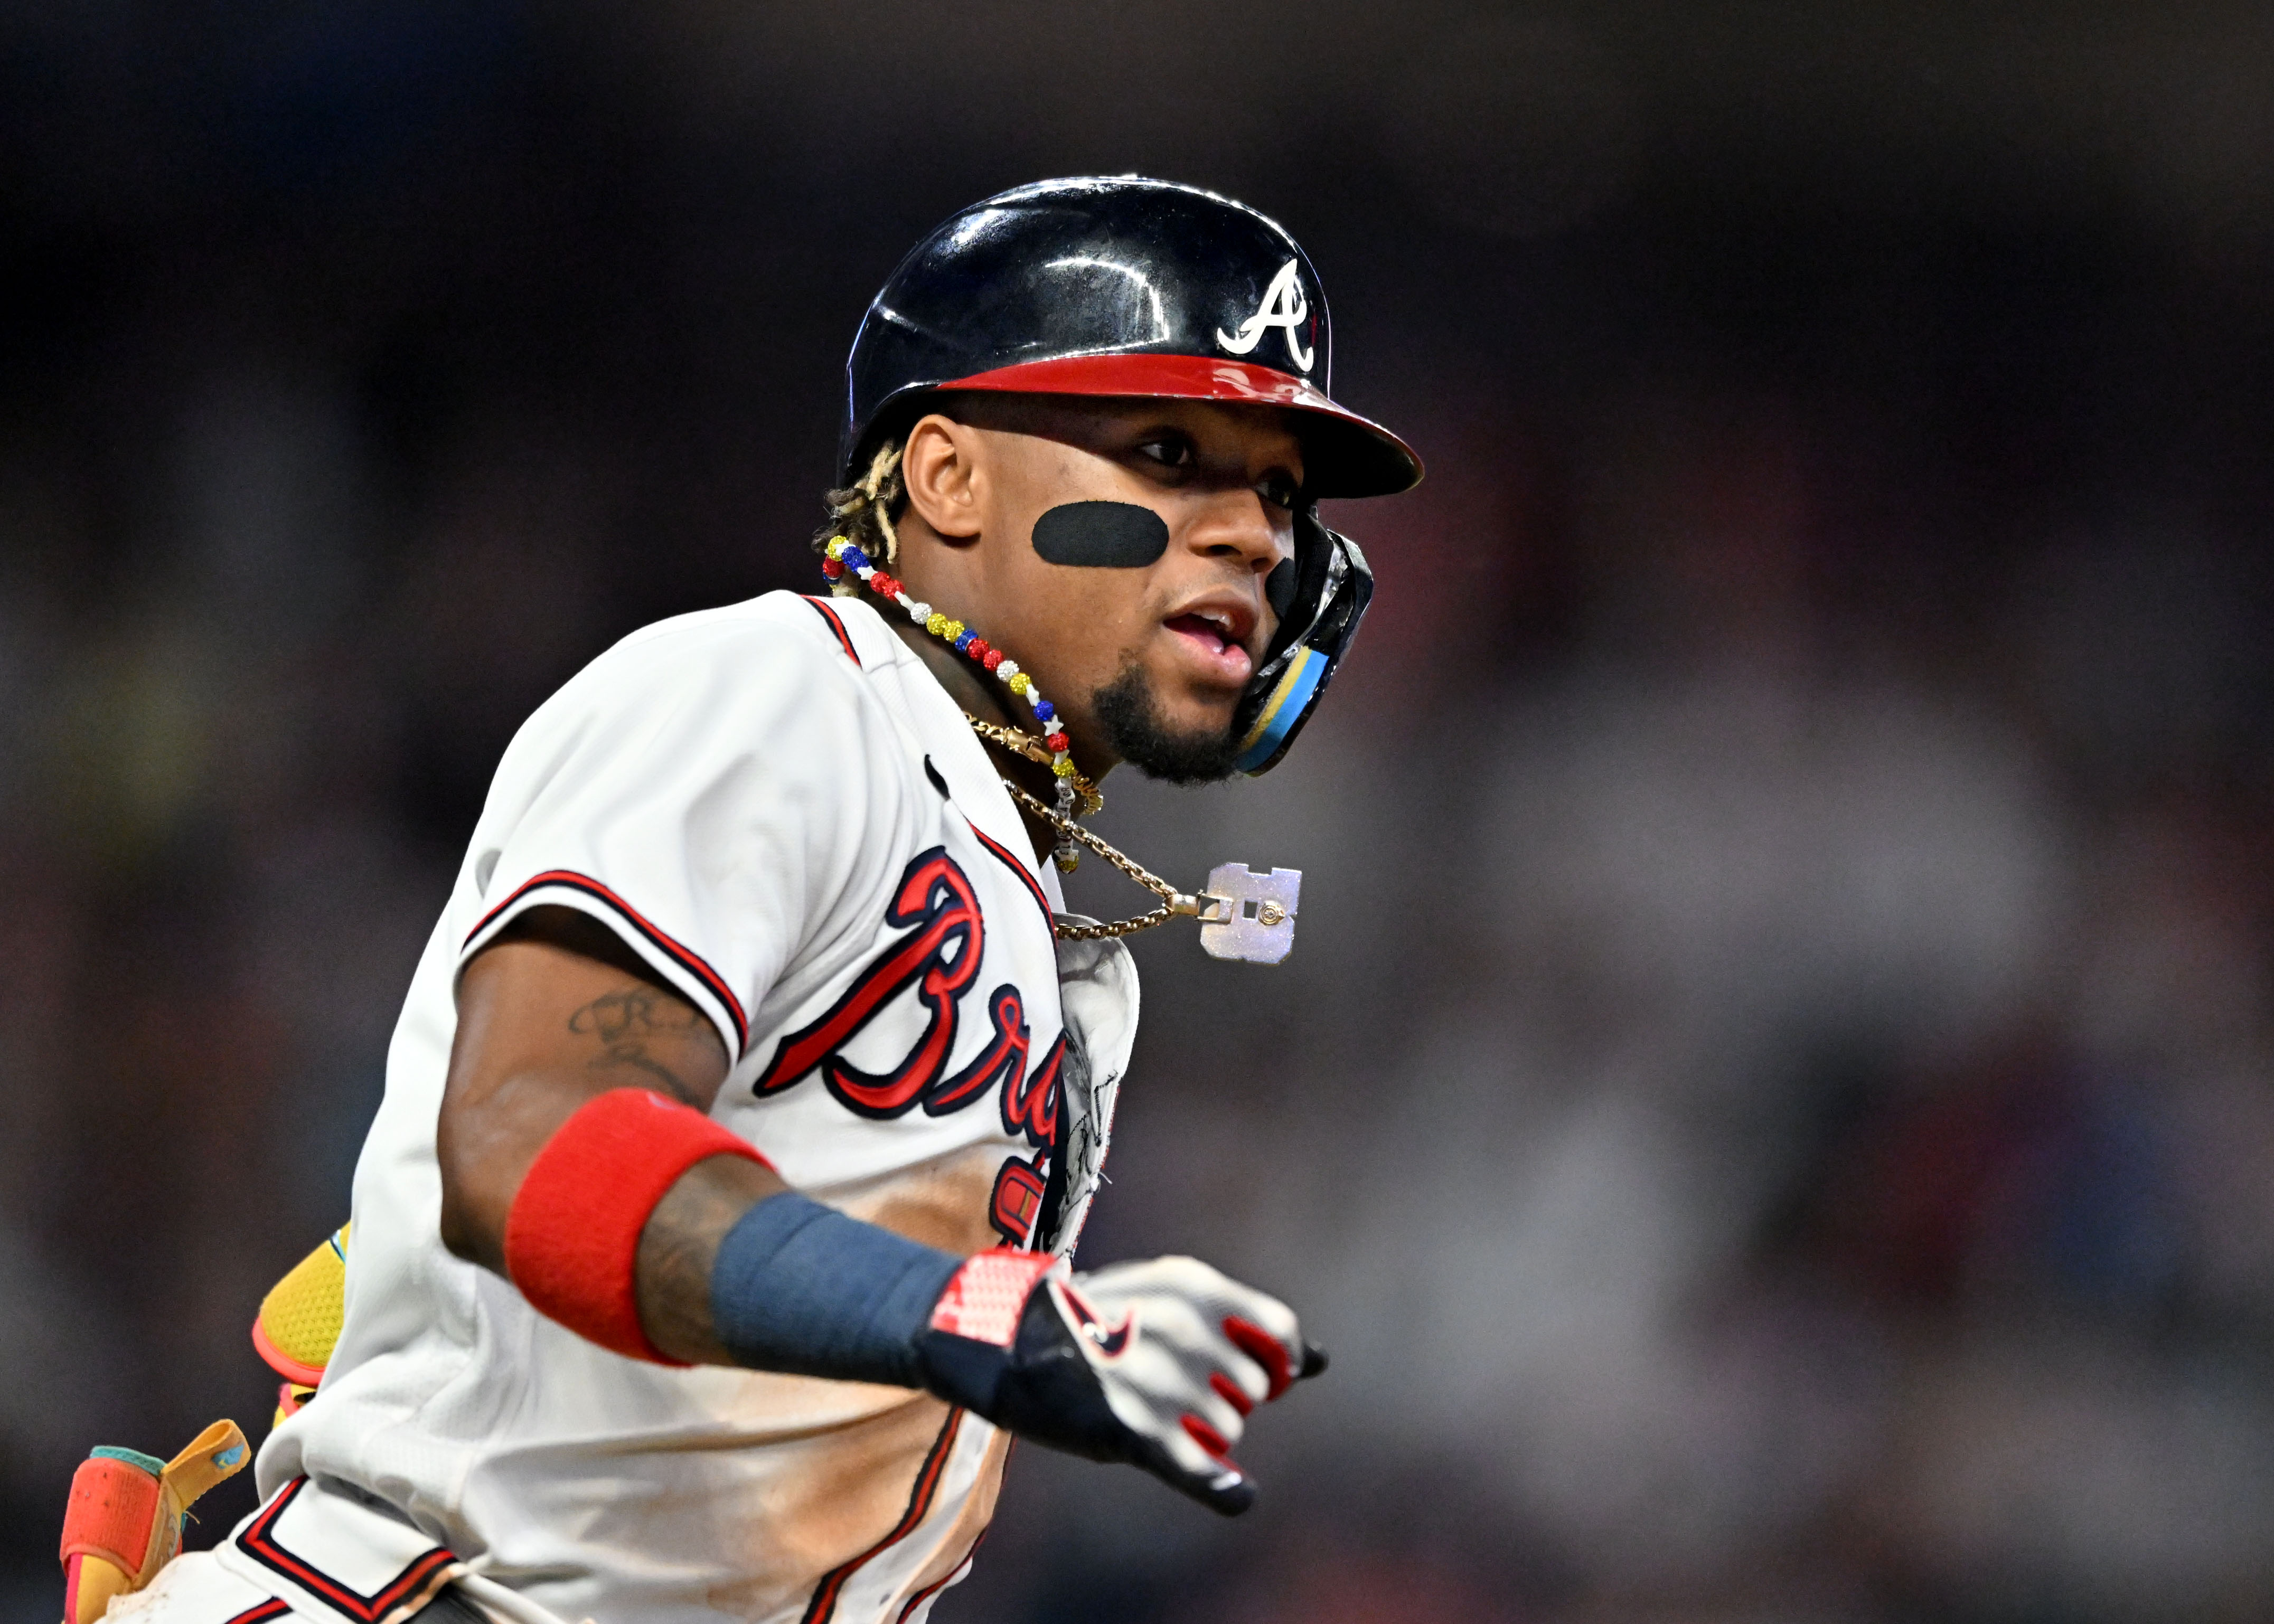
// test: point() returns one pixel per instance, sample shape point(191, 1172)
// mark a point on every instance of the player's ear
point(941, 471)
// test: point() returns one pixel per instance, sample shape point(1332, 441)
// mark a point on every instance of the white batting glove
point(1157, 1363)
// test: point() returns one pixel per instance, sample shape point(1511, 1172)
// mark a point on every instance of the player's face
point(1124, 548)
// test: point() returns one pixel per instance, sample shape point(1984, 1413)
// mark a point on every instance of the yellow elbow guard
point(300, 1321)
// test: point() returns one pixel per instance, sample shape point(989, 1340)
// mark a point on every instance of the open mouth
point(1214, 636)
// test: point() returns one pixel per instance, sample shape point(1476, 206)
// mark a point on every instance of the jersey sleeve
point(712, 795)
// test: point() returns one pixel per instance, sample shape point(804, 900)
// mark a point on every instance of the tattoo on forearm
point(676, 1252)
point(624, 1022)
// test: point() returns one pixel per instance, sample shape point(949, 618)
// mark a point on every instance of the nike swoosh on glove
point(1156, 1364)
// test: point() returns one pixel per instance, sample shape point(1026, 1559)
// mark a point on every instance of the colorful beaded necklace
point(846, 559)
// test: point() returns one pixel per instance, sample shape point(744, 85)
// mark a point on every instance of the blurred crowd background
point(1773, 1103)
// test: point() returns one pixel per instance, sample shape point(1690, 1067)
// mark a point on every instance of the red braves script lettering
point(939, 958)
point(1005, 1057)
point(1030, 1108)
point(1033, 1110)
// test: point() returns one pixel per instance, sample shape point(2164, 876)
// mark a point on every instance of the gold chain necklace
point(1174, 903)
point(1241, 914)
point(1093, 799)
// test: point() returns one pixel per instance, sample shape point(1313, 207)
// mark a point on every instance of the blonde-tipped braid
point(863, 511)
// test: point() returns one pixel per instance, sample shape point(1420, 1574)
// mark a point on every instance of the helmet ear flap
point(1326, 596)
point(1279, 588)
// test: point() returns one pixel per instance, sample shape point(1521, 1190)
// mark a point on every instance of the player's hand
point(1157, 1363)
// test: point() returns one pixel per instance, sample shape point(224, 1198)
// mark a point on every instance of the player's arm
point(554, 1014)
point(578, 1160)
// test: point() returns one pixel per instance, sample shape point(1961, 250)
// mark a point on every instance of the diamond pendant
point(1245, 915)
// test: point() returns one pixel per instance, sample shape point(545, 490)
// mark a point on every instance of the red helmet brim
point(1349, 455)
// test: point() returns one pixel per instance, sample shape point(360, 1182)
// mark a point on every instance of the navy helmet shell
point(1115, 286)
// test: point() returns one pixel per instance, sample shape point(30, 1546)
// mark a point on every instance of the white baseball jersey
point(780, 809)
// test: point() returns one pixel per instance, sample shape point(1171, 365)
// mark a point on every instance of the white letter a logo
point(1283, 305)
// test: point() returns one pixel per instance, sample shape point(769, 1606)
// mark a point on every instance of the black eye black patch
point(1101, 536)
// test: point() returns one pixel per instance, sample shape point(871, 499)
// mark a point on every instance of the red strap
point(985, 1297)
point(572, 1236)
point(113, 1504)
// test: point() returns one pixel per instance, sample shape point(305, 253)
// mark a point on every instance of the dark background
point(1773, 1103)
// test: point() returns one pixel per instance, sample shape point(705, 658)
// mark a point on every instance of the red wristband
point(572, 1235)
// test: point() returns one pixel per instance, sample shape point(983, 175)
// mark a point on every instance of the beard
point(1129, 715)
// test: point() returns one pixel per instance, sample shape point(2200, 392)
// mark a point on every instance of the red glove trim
point(1231, 1393)
point(1208, 1439)
point(572, 1236)
point(1260, 1346)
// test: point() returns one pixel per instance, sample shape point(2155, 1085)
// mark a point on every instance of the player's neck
point(966, 686)
point(982, 699)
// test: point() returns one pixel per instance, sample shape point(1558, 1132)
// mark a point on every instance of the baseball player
point(711, 1244)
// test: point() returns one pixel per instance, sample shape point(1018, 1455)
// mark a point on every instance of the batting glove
point(1157, 1363)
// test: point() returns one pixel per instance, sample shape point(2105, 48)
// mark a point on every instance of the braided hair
point(862, 513)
